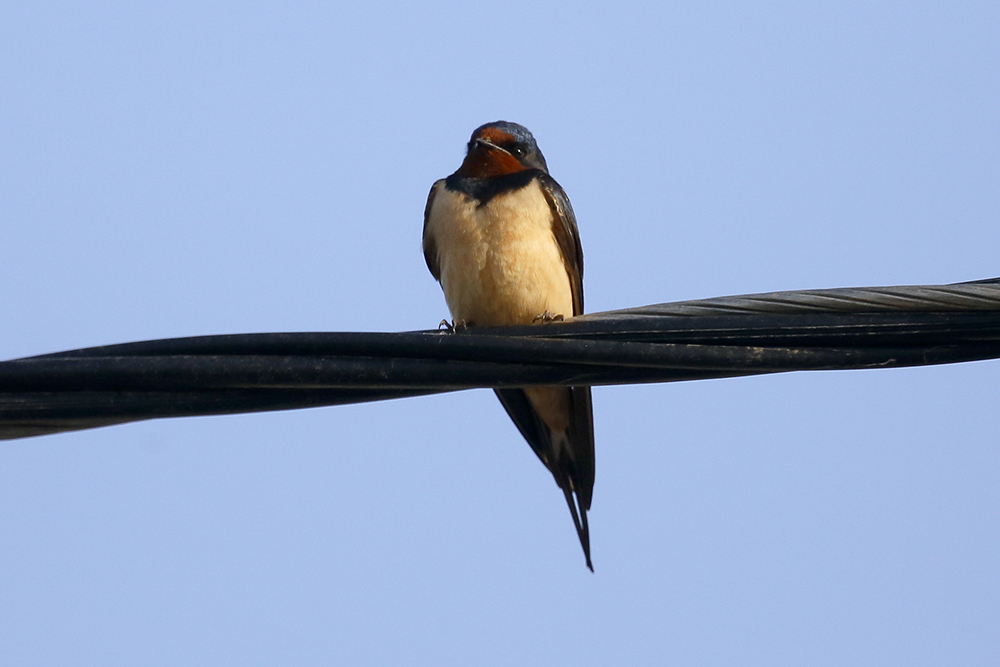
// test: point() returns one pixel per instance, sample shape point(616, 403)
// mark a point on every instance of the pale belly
point(500, 264)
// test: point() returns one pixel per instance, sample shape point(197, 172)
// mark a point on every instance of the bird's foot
point(453, 326)
point(547, 317)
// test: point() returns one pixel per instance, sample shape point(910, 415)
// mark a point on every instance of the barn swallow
point(501, 238)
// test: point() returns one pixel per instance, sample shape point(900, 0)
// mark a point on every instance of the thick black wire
point(725, 337)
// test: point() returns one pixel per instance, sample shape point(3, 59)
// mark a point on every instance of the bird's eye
point(517, 151)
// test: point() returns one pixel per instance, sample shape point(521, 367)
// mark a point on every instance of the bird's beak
point(488, 145)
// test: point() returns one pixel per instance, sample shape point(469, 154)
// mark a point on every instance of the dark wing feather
point(521, 412)
point(539, 436)
point(430, 245)
point(581, 435)
point(567, 236)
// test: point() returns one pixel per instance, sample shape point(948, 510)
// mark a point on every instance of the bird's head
point(501, 148)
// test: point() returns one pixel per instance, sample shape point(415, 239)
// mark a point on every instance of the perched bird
point(501, 238)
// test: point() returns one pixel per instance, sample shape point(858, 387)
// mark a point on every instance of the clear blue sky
point(173, 169)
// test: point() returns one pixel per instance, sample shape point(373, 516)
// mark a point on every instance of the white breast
point(500, 264)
